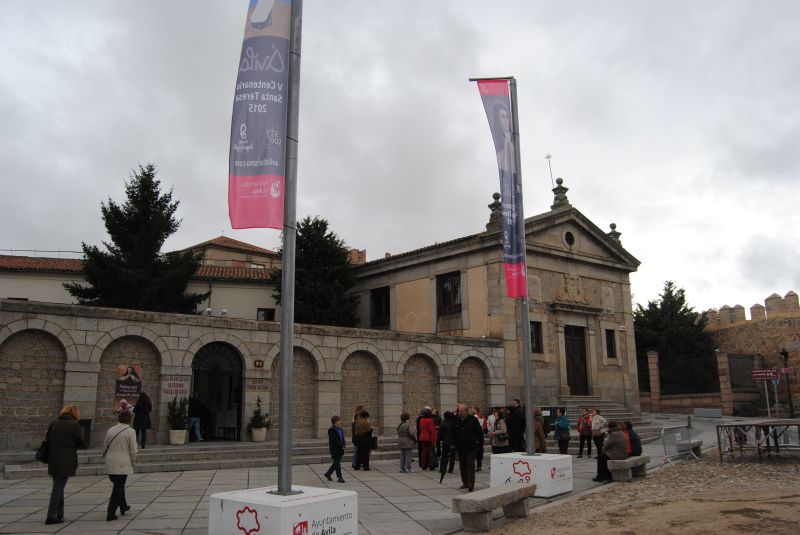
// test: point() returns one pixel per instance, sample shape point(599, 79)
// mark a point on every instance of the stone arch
point(32, 373)
point(304, 388)
point(421, 350)
point(380, 356)
point(473, 353)
point(131, 330)
point(361, 385)
point(128, 350)
point(300, 343)
point(42, 325)
point(209, 338)
point(420, 383)
point(472, 373)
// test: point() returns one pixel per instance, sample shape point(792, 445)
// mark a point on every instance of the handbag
point(43, 453)
point(373, 443)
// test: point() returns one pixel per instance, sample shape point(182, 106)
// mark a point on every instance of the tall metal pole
point(289, 238)
point(525, 328)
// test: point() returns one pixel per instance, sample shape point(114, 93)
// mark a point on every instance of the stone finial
point(790, 301)
point(758, 312)
point(495, 213)
point(560, 200)
point(614, 235)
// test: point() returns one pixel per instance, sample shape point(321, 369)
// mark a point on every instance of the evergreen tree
point(671, 327)
point(133, 272)
point(323, 277)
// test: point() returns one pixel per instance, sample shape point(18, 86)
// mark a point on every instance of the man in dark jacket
point(467, 434)
point(515, 421)
point(446, 434)
point(336, 445)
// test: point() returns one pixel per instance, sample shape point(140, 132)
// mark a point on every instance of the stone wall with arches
point(72, 352)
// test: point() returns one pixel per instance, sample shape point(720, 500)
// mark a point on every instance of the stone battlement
point(774, 307)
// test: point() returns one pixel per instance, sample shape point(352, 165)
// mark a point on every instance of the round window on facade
point(569, 240)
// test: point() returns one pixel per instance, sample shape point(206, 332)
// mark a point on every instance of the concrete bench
point(695, 446)
point(476, 508)
point(627, 469)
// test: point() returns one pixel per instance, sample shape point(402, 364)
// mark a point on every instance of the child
point(336, 444)
point(406, 438)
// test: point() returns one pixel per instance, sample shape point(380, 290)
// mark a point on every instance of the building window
point(448, 294)
point(611, 344)
point(379, 308)
point(265, 314)
point(253, 265)
point(537, 344)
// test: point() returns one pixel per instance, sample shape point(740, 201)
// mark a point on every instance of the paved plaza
point(389, 502)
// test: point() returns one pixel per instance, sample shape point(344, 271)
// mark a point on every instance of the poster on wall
point(128, 386)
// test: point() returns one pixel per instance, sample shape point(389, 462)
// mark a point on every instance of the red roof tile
point(230, 243)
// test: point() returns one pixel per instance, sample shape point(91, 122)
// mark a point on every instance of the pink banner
point(257, 164)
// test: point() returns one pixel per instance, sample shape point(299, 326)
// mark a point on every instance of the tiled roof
point(69, 265)
point(32, 263)
point(230, 243)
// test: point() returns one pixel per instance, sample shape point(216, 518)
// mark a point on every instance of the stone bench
point(627, 469)
point(695, 446)
point(476, 507)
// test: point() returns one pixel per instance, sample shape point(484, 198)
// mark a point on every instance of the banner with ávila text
point(256, 173)
point(496, 99)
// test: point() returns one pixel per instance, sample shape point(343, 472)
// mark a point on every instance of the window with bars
point(448, 294)
point(611, 344)
point(537, 343)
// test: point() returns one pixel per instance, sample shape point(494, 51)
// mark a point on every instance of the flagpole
point(525, 328)
point(289, 239)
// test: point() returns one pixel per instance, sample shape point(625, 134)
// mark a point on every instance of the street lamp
point(785, 355)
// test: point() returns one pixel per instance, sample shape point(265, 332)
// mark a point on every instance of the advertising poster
point(128, 386)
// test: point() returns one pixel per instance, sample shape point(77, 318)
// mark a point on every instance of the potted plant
point(259, 423)
point(177, 415)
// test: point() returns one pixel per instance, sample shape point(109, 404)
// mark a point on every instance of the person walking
point(141, 418)
point(427, 436)
point(119, 454)
point(363, 440)
point(599, 426)
point(562, 432)
point(195, 413)
point(64, 437)
point(499, 434)
point(584, 427)
point(468, 433)
point(406, 439)
point(336, 444)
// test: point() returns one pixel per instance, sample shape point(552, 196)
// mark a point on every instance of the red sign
point(787, 371)
point(765, 375)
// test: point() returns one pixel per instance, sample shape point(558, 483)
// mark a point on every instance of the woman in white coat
point(119, 452)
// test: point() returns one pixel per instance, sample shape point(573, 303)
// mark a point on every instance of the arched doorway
point(472, 384)
point(304, 398)
point(361, 383)
point(217, 384)
point(420, 384)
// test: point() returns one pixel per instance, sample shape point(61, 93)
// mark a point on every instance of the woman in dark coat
point(363, 440)
point(141, 418)
point(64, 437)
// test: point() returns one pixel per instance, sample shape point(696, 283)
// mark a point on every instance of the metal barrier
point(677, 443)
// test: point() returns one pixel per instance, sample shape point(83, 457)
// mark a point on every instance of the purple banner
point(256, 173)
point(497, 103)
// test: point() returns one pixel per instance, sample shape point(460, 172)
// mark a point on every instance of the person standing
point(64, 437)
point(141, 418)
point(426, 433)
point(437, 419)
point(468, 433)
point(363, 440)
point(336, 445)
point(406, 438)
point(539, 436)
point(446, 436)
point(195, 413)
point(119, 453)
point(356, 414)
point(515, 420)
point(562, 432)
point(499, 434)
point(476, 412)
point(599, 426)
point(584, 427)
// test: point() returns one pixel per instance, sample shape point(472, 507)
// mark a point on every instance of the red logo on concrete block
point(247, 521)
point(522, 468)
point(301, 528)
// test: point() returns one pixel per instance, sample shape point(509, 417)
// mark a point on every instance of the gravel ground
point(693, 497)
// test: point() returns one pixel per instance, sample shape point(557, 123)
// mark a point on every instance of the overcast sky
point(676, 120)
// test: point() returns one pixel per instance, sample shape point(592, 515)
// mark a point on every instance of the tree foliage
point(323, 277)
point(668, 325)
point(133, 272)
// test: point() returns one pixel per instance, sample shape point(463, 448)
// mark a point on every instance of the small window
point(379, 308)
point(265, 314)
point(448, 294)
point(537, 344)
point(253, 265)
point(611, 344)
